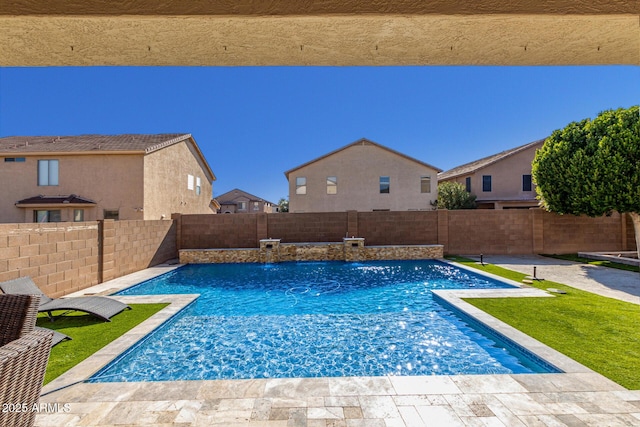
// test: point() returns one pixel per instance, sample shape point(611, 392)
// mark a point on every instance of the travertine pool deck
point(578, 397)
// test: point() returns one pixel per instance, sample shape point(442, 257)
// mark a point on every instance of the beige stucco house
point(499, 181)
point(238, 201)
point(362, 176)
point(89, 177)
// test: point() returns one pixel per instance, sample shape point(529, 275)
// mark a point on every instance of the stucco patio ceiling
point(319, 32)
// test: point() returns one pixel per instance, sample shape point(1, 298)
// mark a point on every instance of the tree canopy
point(592, 167)
point(283, 205)
point(453, 195)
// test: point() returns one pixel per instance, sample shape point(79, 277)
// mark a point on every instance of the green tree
point(453, 195)
point(283, 205)
point(592, 167)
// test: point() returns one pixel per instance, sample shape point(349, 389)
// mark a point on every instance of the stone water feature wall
point(272, 250)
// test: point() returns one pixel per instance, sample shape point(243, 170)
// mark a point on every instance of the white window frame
point(78, 215)
point(332, 185)
point(385, 180)
point(189, 182)
point(301, 185)
point(425, 179)
point(48, 172)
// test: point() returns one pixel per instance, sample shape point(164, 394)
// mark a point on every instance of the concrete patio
point(578, 397)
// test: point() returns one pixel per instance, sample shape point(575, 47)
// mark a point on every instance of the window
point(111, 214)
point(332, 185)
point(47, 216)
point(526, 183)
point(467, 184)
point(198, 186)
point(189, 182)
point(78, 215)
point(425, 184)
point(384, 184)
point(301, 185)
point(256, 206)
point(47, 172)
point(486, 183)
point(14, 159)
point(242, 206)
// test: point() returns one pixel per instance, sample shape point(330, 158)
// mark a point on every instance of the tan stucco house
point(362, 176)
point(90, 177)
point(499, 181)
point(238, 201)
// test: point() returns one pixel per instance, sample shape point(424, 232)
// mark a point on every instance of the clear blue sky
point(254, 123)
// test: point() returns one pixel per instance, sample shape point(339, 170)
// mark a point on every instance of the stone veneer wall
point(331, 251)
point(402, 252)
point(312, 252)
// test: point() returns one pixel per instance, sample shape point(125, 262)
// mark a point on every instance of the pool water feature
point(315, 319)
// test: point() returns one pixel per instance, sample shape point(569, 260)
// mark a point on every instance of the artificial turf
point(599, 332)
point(601, 263)
point(89, 335)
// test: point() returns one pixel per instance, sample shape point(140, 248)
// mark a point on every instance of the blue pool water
point(315, 320)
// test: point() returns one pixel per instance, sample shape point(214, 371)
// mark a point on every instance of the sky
point(254, 123)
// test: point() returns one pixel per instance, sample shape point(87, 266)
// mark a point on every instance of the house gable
point(476, 165)
point(352, 177)
point(113, 170)
point(502, 180)
point(361, 142)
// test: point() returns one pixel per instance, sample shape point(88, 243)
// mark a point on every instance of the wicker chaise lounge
point(24, 353)
point(16, 319)
point(98, 306)
point(58, 337)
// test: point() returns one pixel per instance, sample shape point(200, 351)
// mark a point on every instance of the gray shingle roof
point(471, 167)
point(88, 143)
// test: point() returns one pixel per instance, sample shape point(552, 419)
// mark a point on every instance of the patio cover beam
point(319, 32)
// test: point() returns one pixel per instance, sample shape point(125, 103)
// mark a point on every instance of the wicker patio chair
point(17, 316)
point(23, 363)
point(24, 353)
point(98, 306)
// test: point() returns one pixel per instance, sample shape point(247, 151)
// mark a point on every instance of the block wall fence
point(514, 231)
point(68, 257)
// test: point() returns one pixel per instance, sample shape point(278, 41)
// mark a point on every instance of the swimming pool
point(316, 319)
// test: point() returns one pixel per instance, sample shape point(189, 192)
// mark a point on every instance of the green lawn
point(601, 333)
point(89, 335)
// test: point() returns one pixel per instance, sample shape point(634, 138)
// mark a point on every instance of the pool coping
point(574, 375)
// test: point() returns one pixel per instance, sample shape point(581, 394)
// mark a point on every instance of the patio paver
point(579, 397)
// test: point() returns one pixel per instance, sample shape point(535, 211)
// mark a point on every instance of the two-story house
point(89, 177)
point(499, 181)
point(362, 176)
point(238, 201)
